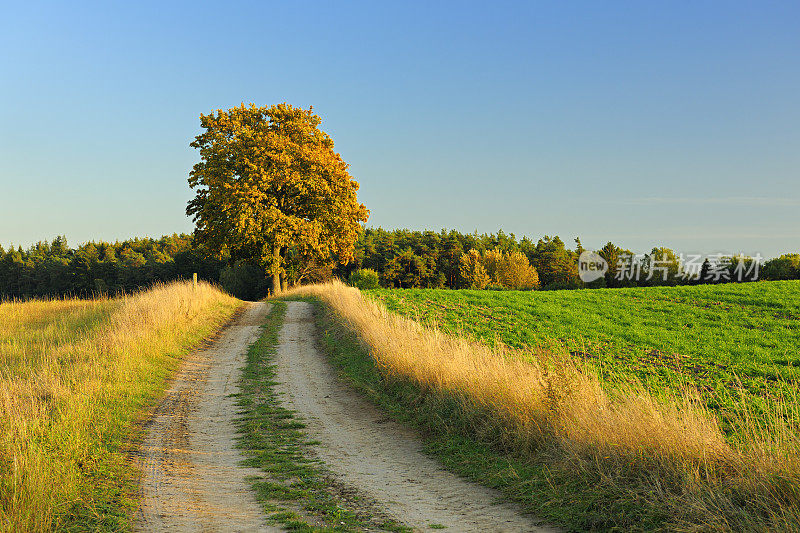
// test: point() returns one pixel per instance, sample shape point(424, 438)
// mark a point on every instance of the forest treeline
point(400, 258)
point(54, 269)
point(449, 259)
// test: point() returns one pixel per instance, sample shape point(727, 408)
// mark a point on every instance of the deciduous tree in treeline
point(516, 272)
point(493, 262)
point(473, 273)
point(270, 187)
point(661, 266)
point(508, 270)
point(364, 279)
point(786, 266)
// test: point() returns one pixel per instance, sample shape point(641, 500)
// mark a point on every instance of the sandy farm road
point(192, 480)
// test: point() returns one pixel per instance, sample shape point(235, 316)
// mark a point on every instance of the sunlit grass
point(75, 375)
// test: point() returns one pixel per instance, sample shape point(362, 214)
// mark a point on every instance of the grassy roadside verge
point(294, 490)
point(438, 418)
point(554, 440)
point(75, 377)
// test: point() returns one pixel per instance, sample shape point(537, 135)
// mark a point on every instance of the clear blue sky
point(643, 123)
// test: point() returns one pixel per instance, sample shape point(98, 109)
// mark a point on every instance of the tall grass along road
point(367, 451)
point(75, 376)
point(192, 480)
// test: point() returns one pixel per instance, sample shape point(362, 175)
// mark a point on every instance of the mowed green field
point(731, 342)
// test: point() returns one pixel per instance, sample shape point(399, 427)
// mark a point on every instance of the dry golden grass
point(74, 376)
point(670, 451)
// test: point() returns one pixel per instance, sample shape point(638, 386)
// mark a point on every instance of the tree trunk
point(276, 276)
point(284, 284)
point(276, 283)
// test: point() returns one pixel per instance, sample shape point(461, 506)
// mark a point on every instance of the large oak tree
point(270, 187)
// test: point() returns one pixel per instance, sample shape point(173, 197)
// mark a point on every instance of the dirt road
point(374, 455)
point(192, 481)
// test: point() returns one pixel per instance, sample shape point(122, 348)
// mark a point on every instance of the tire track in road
point(375, 456)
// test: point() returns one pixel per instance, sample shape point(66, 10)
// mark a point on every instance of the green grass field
point(729, 341)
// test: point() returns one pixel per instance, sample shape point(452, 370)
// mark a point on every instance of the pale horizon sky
point(673, 124)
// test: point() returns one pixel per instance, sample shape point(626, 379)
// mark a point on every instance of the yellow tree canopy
point(472, 272)
point(516, 272)
point(270, 187)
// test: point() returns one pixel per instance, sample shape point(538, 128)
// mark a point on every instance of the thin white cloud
point(756, 201)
